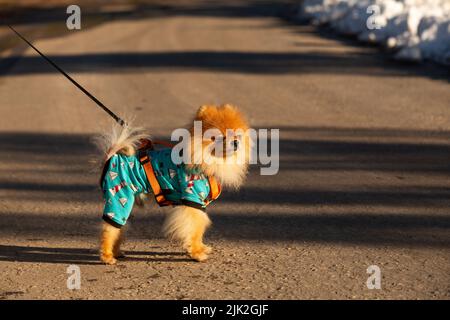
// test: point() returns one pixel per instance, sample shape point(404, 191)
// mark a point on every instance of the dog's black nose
point(235, 144)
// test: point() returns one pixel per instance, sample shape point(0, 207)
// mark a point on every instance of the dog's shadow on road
point(80, 255)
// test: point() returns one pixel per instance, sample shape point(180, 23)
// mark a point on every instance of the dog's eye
point(235, 144)
point(213, 138)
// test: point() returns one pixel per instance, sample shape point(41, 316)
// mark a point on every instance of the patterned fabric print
point(126, 177)
point(123, 180)
point(178, 183)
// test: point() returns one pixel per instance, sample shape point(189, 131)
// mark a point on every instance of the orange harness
point(145, 160)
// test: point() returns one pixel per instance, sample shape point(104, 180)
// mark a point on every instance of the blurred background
point(364, 148)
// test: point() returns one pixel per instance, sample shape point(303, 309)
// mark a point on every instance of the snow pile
point(415, 29)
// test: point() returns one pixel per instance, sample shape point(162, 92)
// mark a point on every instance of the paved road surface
point(364, 167)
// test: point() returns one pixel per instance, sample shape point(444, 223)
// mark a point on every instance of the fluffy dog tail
point(121, 140)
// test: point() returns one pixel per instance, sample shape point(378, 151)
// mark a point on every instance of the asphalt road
point(364, 160)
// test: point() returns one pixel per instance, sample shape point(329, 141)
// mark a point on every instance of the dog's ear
point(229, 107)
point(203, 110)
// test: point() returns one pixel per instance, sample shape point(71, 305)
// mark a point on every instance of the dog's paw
point(200, 253)
point(199, 256)
point(207, 249)
point(108, 259)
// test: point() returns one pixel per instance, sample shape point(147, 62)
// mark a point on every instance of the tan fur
point(188, 225)
point(110, 243)
point(230, 171)
point(121, 140)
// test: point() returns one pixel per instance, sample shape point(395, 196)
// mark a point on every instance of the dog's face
point(225, 144)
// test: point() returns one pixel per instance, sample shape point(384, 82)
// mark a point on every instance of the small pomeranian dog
point(133, 168)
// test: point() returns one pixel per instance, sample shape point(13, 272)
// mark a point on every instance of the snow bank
point(414, 29)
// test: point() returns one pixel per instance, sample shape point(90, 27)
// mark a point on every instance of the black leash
point(98, 102)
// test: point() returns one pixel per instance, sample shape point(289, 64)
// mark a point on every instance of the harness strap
point(148, 168)
point(163, 143)
point(214, 187)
